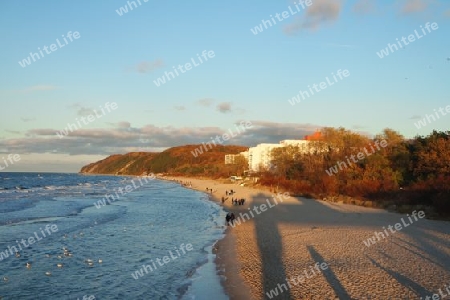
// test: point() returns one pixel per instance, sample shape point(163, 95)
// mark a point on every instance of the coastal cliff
point(181, 160)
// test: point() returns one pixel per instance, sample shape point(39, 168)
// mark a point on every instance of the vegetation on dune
point(401, 171)
point(175, 161)
point(127, 164)
point(404, 172)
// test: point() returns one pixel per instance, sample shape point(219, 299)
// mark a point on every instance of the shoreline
point(272, 247)
point(225, 249)
point(391, 206)
point(263, 253)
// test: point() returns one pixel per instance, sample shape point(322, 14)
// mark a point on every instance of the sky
point(106, 89)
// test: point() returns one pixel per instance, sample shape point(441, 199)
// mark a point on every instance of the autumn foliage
point(404, 171)
point(415, 171)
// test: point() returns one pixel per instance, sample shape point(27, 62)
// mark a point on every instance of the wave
point(50, 187)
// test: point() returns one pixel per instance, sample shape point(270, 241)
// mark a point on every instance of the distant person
point(228, 218)
point(232, 218)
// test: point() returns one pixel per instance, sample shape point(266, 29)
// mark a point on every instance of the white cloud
point(414, 6)
point(123, 137)
point(319, 13)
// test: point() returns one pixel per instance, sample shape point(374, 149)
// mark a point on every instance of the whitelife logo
point(123, 191)
point(441, 294)
point(187, 66)
point(35, 56)
point(165, 260)
point(243, 217)
point(431, 118)
point(322, 85)
point(280, 17)
point(378, 236)
point(11, 158)
point(31, 240)
point(281, 287)
point(225, 136)
point(391, 48)
point(334, 169)
point(71, 127)
point(124, 9)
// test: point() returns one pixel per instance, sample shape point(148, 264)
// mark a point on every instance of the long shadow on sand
point(271, 250)
point(405, 281)
point(314, 214)
point(269, 240)
point(329, 275)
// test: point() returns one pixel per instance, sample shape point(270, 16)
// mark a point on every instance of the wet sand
point(319, 246)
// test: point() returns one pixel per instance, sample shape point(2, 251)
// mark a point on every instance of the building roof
point(316, 136)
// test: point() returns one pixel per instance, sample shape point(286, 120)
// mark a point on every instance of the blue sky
point(251, 77)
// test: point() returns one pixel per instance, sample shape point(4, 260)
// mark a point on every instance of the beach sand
point(321, 246)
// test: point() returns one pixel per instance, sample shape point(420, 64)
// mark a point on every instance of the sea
point(60, 238)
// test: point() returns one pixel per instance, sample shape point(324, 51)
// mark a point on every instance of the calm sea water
point(78, 250)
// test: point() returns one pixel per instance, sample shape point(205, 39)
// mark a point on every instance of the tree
point(432, 156)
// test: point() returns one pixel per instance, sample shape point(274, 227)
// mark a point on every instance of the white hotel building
point(260, 157)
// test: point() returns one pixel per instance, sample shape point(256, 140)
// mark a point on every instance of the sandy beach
point(297, 248)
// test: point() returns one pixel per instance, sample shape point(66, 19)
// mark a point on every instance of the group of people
point(186, 183)
point(230, 216)
point(231, 192)
point(238, 201)
point(208, 190)
point(183, 183)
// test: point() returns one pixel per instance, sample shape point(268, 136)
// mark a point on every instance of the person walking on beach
point(232, 218)
point(228, 218)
